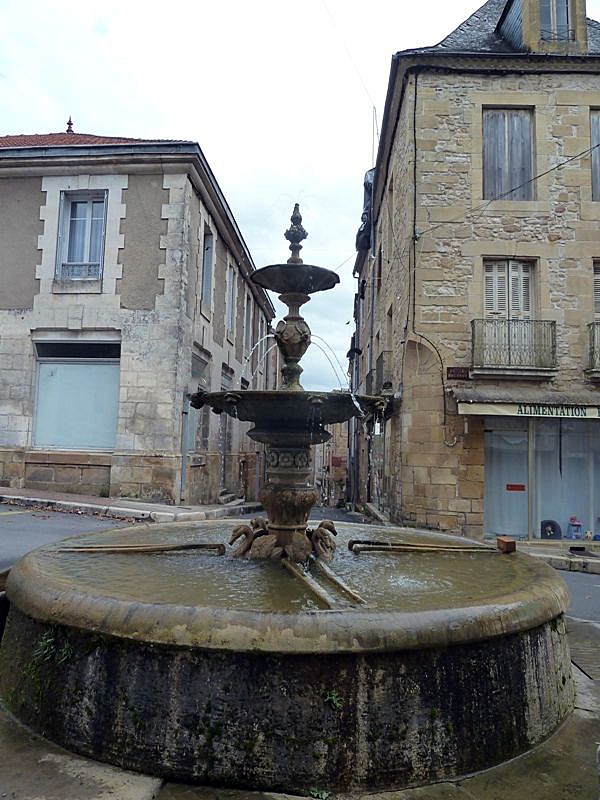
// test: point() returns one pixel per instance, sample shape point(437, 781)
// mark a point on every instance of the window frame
point(555, 33)
point(230, 300)
point(65, 228)
point(207, 275)
point(596, 290)
point(514, 273)
point(504, 186)
point(56, 351)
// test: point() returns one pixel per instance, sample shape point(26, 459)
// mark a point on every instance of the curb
point(132, 513)
point(64, 505)
point(569, 563)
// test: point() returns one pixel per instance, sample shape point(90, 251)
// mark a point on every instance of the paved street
point(24, 529)
point(585, 595)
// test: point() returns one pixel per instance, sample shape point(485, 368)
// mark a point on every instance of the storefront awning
point(515, 402)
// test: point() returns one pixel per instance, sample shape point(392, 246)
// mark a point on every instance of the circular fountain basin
point(205, 669)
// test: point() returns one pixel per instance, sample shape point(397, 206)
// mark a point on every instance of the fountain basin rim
point(296, 278)
point(352, 630)
point(250, 405)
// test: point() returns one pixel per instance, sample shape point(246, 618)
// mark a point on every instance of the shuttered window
point(597, 290)
point(507, 289)
point(507, 154)
point(595, 142)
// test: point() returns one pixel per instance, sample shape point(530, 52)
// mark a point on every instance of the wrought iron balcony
point(383, 373)
point(514, 345)
point(594, 353)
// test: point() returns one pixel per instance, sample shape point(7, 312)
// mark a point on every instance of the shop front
point(542, 465)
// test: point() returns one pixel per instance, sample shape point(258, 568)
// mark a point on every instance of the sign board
point(530, 410)
point(457, 373)
point(515, 487)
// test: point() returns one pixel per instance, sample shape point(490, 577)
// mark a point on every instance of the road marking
point(7, 513)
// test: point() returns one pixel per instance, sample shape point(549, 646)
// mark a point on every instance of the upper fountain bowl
point(297, 278)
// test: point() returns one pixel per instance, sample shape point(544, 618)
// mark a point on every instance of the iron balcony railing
point(383, 373)
point(83, 271)
point(513, 344)
point(594, 333)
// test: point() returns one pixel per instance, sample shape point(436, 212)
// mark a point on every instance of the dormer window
point(556, 21)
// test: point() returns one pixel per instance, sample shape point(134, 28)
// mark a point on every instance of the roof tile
point(71, 139)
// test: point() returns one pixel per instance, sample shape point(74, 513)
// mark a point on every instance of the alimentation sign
point(556, 410)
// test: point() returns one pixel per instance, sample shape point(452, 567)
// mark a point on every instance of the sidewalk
point(559, 556)
point(125, 508)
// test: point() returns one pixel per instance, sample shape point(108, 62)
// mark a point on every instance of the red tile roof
point(69, 139)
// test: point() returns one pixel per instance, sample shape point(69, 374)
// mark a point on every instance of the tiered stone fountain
point(408, 658)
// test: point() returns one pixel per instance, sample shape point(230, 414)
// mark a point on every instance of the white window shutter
point(520, 289)
point(495, 289)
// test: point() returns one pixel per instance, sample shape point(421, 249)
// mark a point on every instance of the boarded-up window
point(77, 395)
point(555, 20)
point(508, 154)
point(507, 289)
point(595, 141)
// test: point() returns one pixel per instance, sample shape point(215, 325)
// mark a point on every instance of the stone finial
point(70, 125)
point(295, 235)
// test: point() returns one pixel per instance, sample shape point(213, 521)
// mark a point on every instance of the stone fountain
point(289, 421)
point(402, 658)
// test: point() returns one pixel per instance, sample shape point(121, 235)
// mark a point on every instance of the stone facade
point(423, 282)
point(142, 313)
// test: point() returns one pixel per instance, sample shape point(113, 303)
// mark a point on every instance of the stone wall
point(147, 301)
point(435, 473)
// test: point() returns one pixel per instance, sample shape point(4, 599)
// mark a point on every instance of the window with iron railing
point(513, 344)
point(80, 250)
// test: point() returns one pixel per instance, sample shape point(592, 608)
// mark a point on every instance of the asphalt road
point(24, 529)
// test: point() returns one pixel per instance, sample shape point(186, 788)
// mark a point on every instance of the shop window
point(508, 154)
point(555, 21)
point(81, 236)
point(506, 477)
point(77, 395)
point(567, 469)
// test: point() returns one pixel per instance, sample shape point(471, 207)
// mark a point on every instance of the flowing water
point(388, 581)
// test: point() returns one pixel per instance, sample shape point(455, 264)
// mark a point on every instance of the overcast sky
point(279, 94)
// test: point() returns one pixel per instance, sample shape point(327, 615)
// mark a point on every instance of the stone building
point(478, 307)
point(124, 286)
point(331, 466)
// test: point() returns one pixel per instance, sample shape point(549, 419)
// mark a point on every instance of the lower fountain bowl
point(208, 670)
